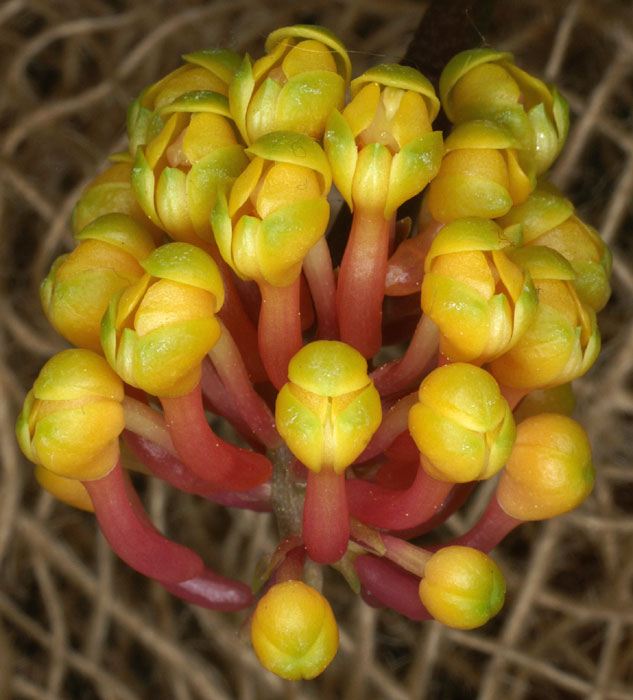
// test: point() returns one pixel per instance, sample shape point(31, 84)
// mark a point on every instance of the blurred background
point(75, 623)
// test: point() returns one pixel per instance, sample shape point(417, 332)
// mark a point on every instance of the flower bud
point(293, 631)
point(550, 470)
point(157, 332)
point(110, 193)
point(485, 84)
point(547, 219)
point(484, 173)
point(382, 148)
point(462, 587)
point(329, 410)
point(481, 301)
point(294, 87)
point(72, 418)
point(563, 340)
point(461, 424)
point(207, 71)
point(277, 209)
point(79, 286)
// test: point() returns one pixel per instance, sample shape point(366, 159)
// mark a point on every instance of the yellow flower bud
point(277, 209)
point(157, 332)
point(461, 424)
point(547, 219)
point(294, 87)
point(382, 148)
point(485, 84)
point(293, 631)
point(329, 410)
point(462, 587)
point(550, 470)
point(481, 301)
point(72, 418)
point(78, 289)
point(110, 193)
point(563, 340)
point(483, 173)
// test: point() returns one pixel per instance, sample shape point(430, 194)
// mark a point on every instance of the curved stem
point(228, 362)
point(394, 422)
point(213, 591)
point(410, 368)
point(361, 282)
point(391, 586)
point(279, 329)
point(225, 466)
point(317, 268)
point(493, 525)
point(326, 517)
point(392, 509)
point(132, 536)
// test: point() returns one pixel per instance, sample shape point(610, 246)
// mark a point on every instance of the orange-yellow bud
point(462, 587)
point(293, 631)
point(550, 470)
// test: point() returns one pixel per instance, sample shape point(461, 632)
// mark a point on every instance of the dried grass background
point(75, 623)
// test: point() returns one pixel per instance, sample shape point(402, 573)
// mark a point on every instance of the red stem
point(393, 509)
point(132, 536)
point(213, 591)
point(227, 360)
point(317, 268)
point(326, 517)
point(391, 586)
point(410, 368)
point(493, 525)
point(224, 466)
point(279, 329)
point(171, 470)
point(361, 282)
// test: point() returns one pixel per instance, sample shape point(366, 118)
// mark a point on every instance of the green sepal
point(403, 77)
point(221, 62)
point(198, 101)
point(370, 186)
point(22, 430)
point(213, 171)
point(121, 231)
point(262, 109)
point(543, 263)
point(223, 227)
point(287, 236)
point(143, 184)
point(321, 34)
point(461, 64)
point(480, 133)
point(412, 168)
point(467, 234)
point(171, 204)
point(342, 154)
point(240, 92)
point(298, 149)
point(300, 428)
point(187, 264)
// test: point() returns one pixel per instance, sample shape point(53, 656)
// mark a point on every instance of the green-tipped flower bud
point(157, 332)
point(382, 148)
point(563, 340)
point(329, 410)
point(462, 425)
point(294, 87)
point(78, 289)
point(481, 301)
point(462, 587)
point(293, 631)
point(277, 209)
point(72, 418)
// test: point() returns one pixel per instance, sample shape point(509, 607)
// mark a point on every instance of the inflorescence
point(204, 281)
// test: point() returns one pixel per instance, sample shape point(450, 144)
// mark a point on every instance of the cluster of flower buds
point(208, 279)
